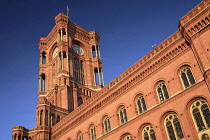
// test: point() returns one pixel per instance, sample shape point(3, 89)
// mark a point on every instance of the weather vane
point(153, 46)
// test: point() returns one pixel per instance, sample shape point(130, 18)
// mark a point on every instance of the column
point(96, 51)
point(67, 35)
point(102, 76)
point(51, 118)
point(40, 118)
point(58, 36)
point(39, 89)
point(62, 60)
point(48, 118)
point(59, 62)
point(37, 119)
point(61, 34)
point(44, 117)
point(75, 98)
point(14, 137)
point(67, 55)
point(99, 53)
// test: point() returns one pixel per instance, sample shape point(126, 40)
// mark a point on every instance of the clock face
point(77, 49)
point(55, 52)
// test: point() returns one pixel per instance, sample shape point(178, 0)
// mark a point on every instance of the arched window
point(201, 115)
point(80, 136)
point(43, 58)
point(53, 122)
point(19, 137)
point(122, 115)
point(80, 102)
point(98, 76)
point(42, 83)
point(173, 127)
point(148, 133)
point(128, 137)
point(15, 137)
point(141, 105)
point(162, 91)
point(95, 52)
point(58, 118)
point(46, 118)
point(41, 118)
point(187, 77)
point(106, 124)
point(92, 132)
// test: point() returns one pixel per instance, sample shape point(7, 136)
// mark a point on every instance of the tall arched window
point(201, 116)
point(53, 118)
point(80, 102)
point(187, 77)
point(173, 127)
point(76, 71)
point(106, 124)
point(14, 137)
point(58, 118)
point(99, 80)
point(41, 118)
point(46, 118)
point(82, 74)
point(148, 133)
point(95, 52)
point(43, 58)
point(141, 105)
point(42, 83)
point(162, 91)
point(92, 132)
point(122, 115)
point(80, 136)
point(128, 137)
point(19, 137)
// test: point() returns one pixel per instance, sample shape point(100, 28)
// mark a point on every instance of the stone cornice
point(194, 12)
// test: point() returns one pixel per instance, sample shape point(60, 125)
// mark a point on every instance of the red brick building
point(165, 95)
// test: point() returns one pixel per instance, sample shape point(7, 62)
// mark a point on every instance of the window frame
point(143, 104)
point(122, 117)
point(170, 119)
point(150, 131)
point(92, 135)
point(197, 104)
point(106, 124)
point(128, 137)
point(183, 70)
point(160, 85)
point(80, 136)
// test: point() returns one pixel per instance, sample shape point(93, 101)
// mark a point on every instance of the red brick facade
point(165, 95)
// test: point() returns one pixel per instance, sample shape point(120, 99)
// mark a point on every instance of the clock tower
point(70, 72)
point(70, 65)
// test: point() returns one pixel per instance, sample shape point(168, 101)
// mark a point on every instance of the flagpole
point(67, 8)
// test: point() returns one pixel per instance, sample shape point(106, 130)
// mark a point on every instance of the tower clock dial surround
point(77, 49)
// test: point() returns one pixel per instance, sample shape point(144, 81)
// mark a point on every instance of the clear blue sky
point(128, 29)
